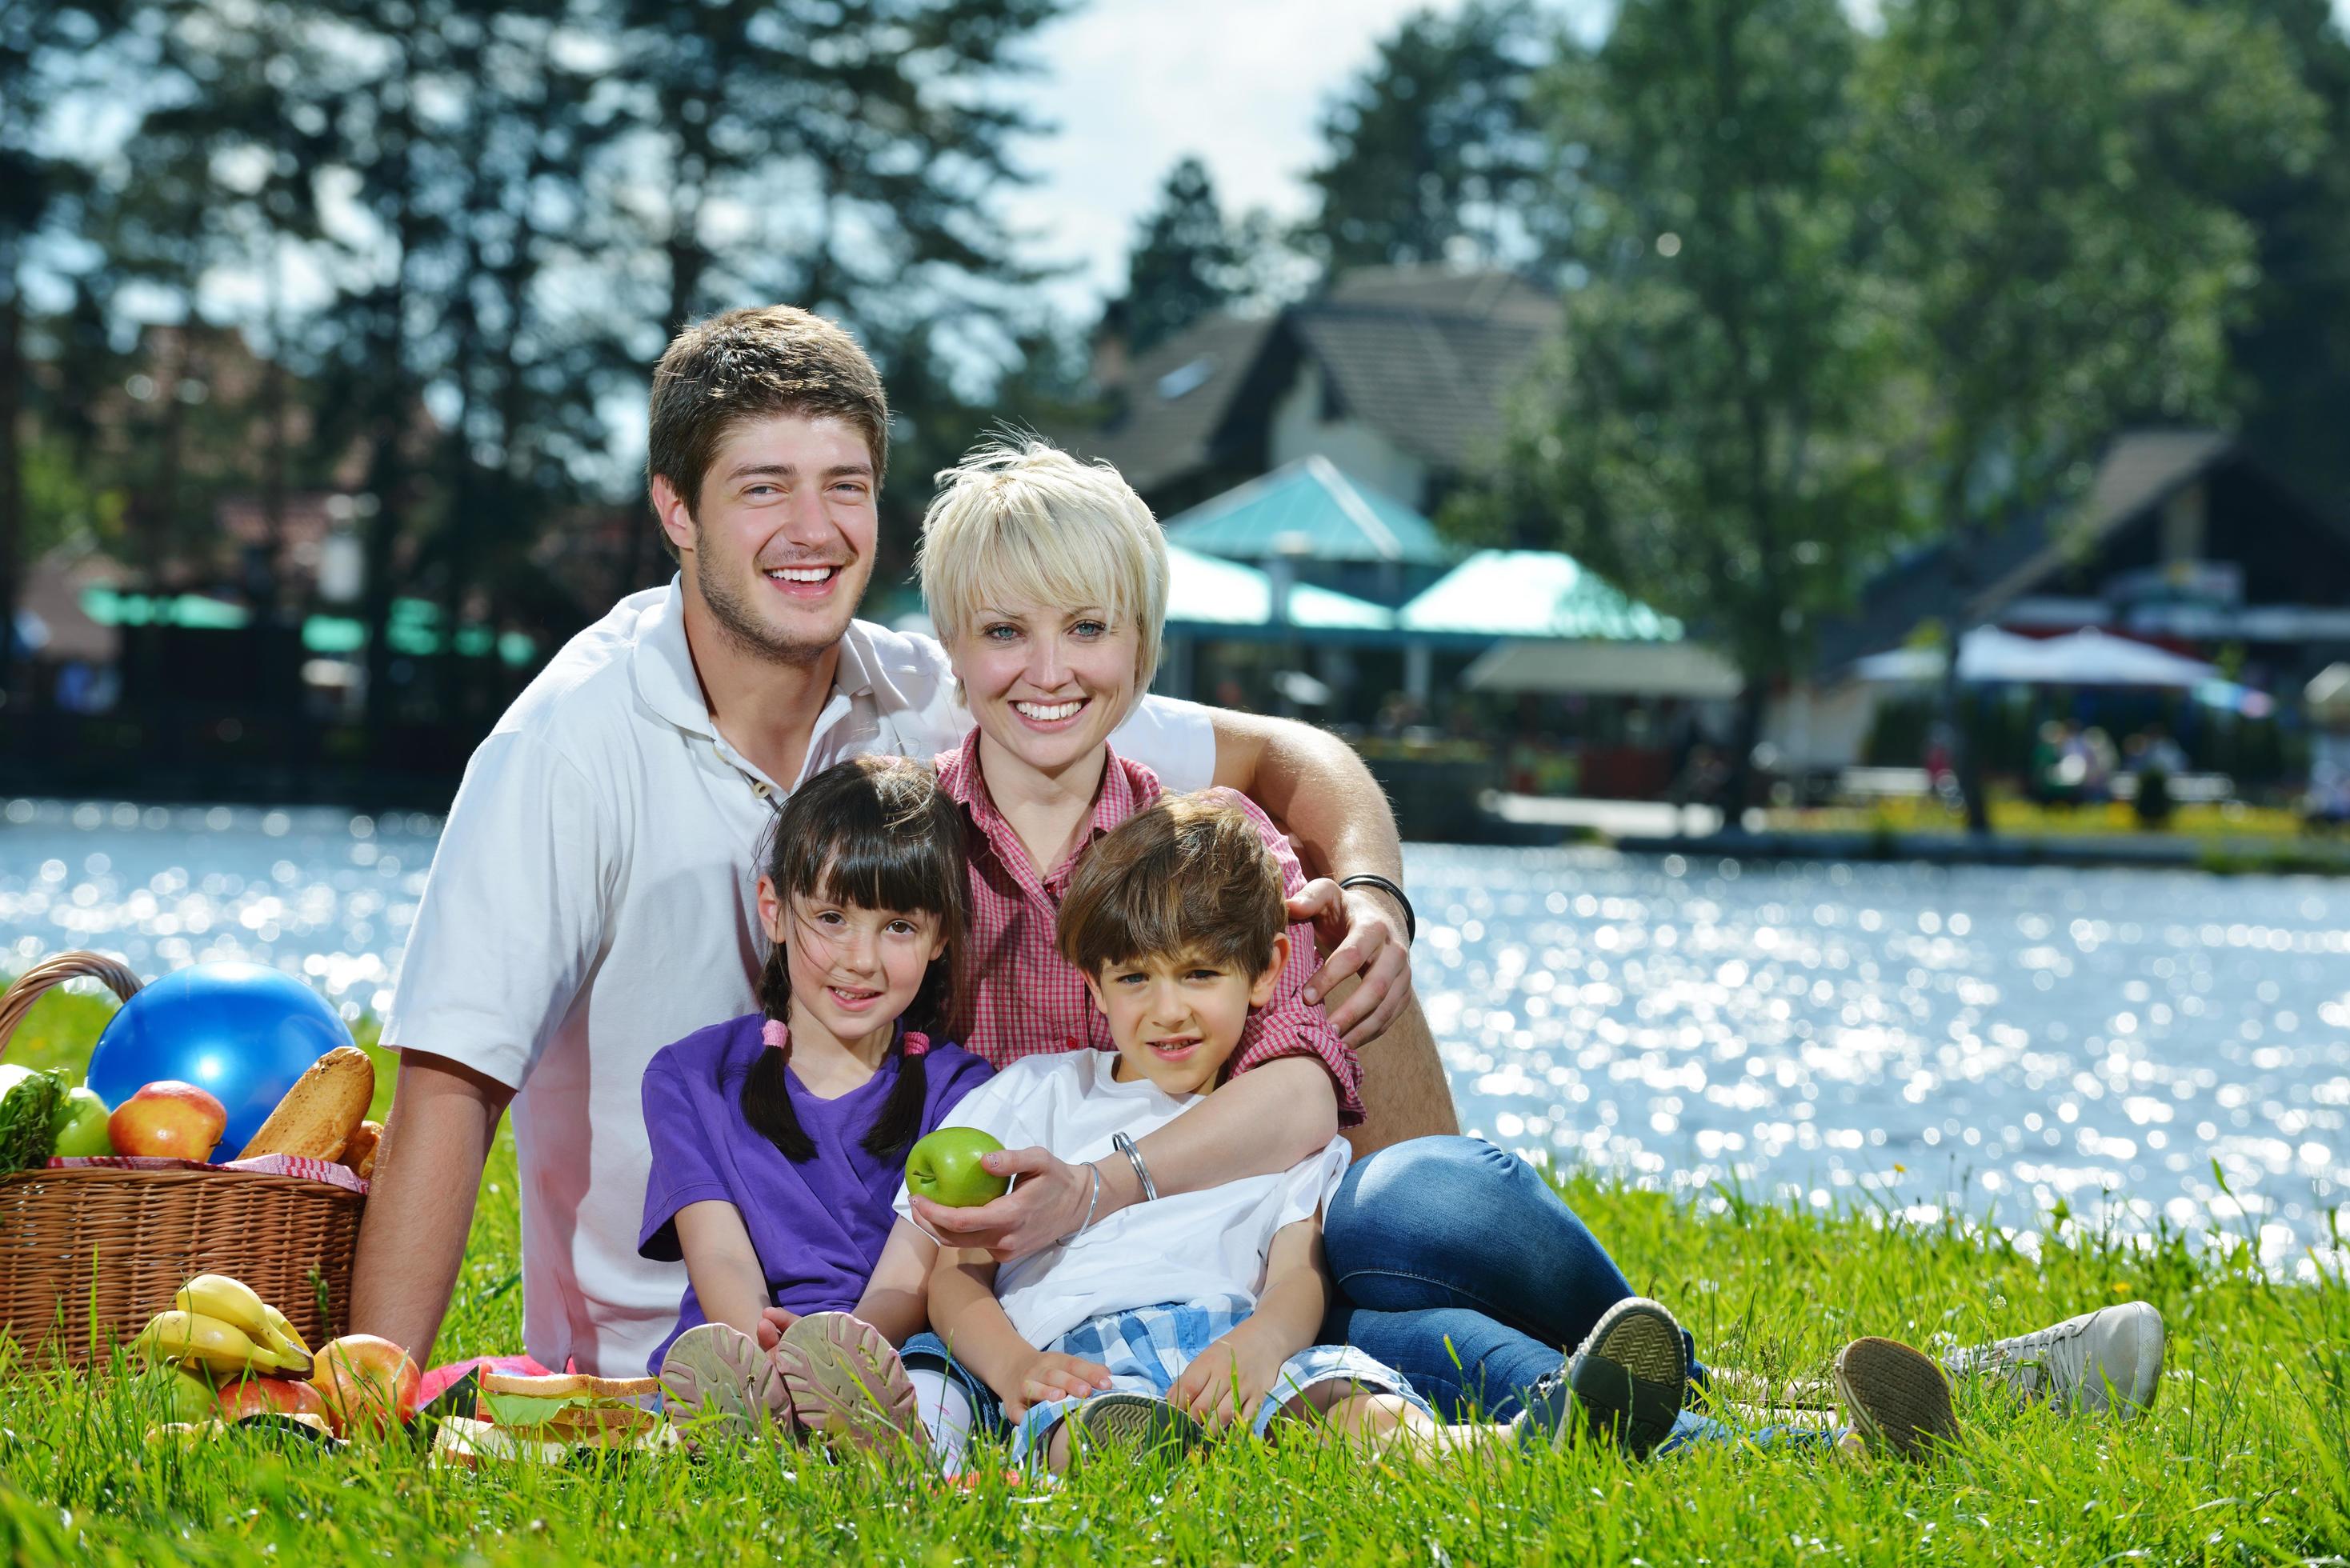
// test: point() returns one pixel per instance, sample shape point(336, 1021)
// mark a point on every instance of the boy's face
point(1178, 1020)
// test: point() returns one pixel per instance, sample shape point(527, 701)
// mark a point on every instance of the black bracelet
point(1366, 879)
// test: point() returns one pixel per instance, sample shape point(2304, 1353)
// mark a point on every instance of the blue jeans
point(1457, 1265)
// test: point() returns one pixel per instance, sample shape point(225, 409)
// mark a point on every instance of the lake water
point(1915, 1038)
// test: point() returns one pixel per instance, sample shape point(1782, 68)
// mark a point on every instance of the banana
point(236, 1304)
point(232, 1302)
point(293, 1354)
point(194, 1340)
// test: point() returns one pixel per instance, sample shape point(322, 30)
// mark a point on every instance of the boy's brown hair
point(1189, 876)
point(750, 364)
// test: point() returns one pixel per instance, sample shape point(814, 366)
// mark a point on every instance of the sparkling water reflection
point(2003, 1040)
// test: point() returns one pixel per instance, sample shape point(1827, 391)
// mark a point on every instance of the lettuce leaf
point(528, 1409)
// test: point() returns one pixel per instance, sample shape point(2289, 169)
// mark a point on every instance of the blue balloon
point(239, 1030)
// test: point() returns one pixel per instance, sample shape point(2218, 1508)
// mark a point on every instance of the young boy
point(1201, 1310)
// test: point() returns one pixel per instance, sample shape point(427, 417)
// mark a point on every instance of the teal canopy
point(1532, 594)
point(1311, 510)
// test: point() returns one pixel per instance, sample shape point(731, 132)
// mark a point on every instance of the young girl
point(779, 1138)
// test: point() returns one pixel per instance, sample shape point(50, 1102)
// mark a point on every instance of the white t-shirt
point(595, 897)
point(1192, 1246)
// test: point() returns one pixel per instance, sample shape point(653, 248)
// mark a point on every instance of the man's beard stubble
point(741, 625)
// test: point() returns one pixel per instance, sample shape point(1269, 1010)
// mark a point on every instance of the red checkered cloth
point(1018, 997)
point(325, 1170)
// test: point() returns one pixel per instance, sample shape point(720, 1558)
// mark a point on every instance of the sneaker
point(844, 1380)
point(1625, 1383)
point(721, 1374)
point(1134, 1425)
point(1898, 1398)
point(2110, 1359)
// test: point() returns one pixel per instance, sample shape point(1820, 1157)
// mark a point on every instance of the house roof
point(2141, 470)
point(1424, 356)
point(1177, 397)
point(1205, 590)
point(1421, 355)
point(1533, 593)
point(1312, 508)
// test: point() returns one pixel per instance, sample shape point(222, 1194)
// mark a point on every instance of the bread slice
point(570, 1406)
point(321, 1111)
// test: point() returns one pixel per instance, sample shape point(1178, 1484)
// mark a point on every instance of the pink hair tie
point(916, 1043)
point(776, 1034)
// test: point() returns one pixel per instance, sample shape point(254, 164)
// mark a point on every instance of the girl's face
point(853, 971)
point(1046, 684)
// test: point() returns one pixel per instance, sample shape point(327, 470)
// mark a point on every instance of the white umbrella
point(2088, 658)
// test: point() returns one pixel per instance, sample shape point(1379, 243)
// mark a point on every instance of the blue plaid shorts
point(1146, 1350)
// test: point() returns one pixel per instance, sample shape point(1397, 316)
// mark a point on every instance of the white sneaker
point(2107, 1359)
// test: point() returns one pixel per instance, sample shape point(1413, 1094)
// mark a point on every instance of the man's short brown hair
point(751, 364)
point(1187, 877)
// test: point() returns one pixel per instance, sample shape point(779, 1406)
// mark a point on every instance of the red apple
point(369, 1384)
point(268, 1397)
point(168, 1117)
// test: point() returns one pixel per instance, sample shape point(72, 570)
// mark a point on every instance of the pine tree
point(1435, 151)
point(1185, 262)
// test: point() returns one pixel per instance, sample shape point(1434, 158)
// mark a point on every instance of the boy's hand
point(1052, 1375)
point(772, 1321)
point(1227, 1381)
point(1047, 1202)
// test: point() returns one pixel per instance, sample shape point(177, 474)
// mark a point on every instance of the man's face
point(781, 547)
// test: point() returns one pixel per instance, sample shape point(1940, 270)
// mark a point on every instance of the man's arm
point(1263, 1121)
point(1337, 818)
point(436, 1140)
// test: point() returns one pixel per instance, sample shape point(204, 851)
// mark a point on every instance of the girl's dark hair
point(873, 833)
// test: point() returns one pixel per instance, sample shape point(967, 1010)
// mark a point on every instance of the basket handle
point(54, 970)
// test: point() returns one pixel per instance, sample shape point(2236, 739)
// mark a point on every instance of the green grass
point(2245, 1459)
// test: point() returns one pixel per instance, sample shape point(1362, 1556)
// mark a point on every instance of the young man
point(592, 898)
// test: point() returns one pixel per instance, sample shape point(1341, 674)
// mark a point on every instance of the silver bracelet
point(1125, 1146)
point(1091, 1203)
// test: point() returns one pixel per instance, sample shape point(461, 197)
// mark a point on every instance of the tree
point(2042, 171)
point(47, 51)
point(2292, 346)
point(1436, 148)
point(1701, 434)
point(1186, 261)
point(843, 155)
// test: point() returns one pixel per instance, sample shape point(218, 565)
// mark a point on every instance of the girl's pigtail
point(901, 1121)
point(767, 1099)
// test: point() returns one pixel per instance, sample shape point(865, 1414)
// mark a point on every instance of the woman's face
point(1046, 684)
point(853, 971)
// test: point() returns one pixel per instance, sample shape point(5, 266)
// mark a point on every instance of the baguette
point(321, 1111)
point(361, 1149)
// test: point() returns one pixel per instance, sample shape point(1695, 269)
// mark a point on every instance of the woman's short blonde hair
point(1021, 520)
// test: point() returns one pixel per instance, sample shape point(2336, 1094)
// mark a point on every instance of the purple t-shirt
point(817, 1228)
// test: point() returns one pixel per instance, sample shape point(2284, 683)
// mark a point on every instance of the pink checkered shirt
point(1018, 997)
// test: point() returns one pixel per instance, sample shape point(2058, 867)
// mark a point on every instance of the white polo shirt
point(595, 897)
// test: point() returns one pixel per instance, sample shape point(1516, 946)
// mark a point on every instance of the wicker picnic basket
point(87, 1255)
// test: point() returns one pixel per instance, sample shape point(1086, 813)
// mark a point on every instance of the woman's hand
point(1227, 1381)
point(1364, 930)
point(1052, 1375)
point(1047, 1202)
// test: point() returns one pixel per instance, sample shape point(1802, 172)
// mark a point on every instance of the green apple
point(944, 1168)
point(81, 1127)
point(186, 1396)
